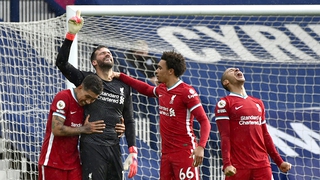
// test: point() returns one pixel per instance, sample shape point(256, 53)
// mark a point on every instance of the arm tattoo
point(56, 121)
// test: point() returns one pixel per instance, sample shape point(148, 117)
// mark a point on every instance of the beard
point(105, 65)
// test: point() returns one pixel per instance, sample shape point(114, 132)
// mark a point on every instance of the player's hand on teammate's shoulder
point(285, 167)
point(230, 171)
point(120, 128)
point(93, 127)
point(115, 75)
point(75, 23)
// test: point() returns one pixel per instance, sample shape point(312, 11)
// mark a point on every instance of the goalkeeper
point(100, 153)
point(245, 141)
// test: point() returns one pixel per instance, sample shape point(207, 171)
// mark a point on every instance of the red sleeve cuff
point(202, 145)
point(133, 149)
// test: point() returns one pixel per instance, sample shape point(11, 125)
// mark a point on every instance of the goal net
point(277, 48)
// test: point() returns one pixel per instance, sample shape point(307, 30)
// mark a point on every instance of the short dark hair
point(224, 77)
point(94, 83)
point(175, 61)
point(93, 54)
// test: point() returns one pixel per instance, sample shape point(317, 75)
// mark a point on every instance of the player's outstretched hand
point(197, 155)
point(75, 23)
point(93, 127)
point(285, 167)
point(230, 171)
point(120, 128)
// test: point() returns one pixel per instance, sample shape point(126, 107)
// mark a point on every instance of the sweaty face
point(104, 58)
point(86, 97)
point(162, 71)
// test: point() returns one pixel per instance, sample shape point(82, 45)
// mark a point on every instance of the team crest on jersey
point(172, 99)
point(222, 103)
point(259, 108)
point(122, 91)
point(61, 104)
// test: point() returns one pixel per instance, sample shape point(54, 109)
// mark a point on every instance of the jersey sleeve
point(271, 149)
point(196, 109)
point(130, 132)
point(59, 105)
point(68, 70)
point(222, 121)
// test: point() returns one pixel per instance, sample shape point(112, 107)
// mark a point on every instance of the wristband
point(70, 36)
point(133, 149)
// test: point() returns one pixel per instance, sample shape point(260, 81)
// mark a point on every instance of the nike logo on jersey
point(236, 108)
point(160, 95)
point(73, 112)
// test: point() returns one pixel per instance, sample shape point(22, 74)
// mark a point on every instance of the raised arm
point(69, 71)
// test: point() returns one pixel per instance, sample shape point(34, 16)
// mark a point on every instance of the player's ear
point(94, 63)
point(171, 71)
point(225, 82)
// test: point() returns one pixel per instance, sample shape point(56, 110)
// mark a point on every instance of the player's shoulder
point(183, 88)
point(119, 83)
point(87, 73)
point(255, 99)
point(62, 98)
point(65, 92)
point(222, 102)
point(65, 95)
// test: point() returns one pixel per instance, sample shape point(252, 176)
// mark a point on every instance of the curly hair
point(175, 61)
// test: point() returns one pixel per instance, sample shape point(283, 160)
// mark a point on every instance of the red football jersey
point(62, 151)
point(243, 139)
point(176, 121)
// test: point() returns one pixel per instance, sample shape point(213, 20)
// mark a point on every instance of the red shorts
point(252, 174)
point(50, 173)
point(178, 166)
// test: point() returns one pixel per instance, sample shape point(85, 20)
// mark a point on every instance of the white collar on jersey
point(238, 95)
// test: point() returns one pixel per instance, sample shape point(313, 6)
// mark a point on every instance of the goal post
point(276, 46)
point(147, 10)
point(276, 33)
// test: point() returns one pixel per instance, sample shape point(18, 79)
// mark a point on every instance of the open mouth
point(108, 59)
point(239, 74)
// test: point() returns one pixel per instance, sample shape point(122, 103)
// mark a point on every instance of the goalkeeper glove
point(132, 162)
point(74, 25)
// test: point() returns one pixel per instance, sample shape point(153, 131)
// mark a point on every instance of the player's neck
point(239, 90)
point(105, 75)
point(172, 81)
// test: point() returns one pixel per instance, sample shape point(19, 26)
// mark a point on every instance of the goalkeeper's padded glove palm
point(131, 162)
point(74, 25)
